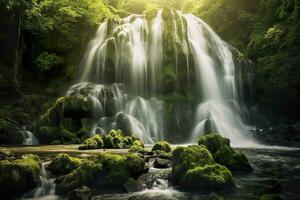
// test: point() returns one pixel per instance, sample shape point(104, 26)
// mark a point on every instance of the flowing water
point(277, 168)
point(137, 52)
point(46, 189)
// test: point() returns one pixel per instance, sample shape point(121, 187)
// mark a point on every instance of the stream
point(277, 168)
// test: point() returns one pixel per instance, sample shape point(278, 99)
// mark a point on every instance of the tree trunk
point(18, 54)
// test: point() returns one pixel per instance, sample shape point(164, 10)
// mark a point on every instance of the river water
point(277, 168)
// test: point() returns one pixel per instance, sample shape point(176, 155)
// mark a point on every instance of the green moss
point(115, 166)
point(134, 164)
point(19, 176)
point(162, 146)
point(138, 146)
point(186, 158)
point(114, 139)
point(94, 142)
point(63, 164)
point(223, 153)
point(207, 178)
point(89, 173)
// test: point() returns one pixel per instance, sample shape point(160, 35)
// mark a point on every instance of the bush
point(45, 61)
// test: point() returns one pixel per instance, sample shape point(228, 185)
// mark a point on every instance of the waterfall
point(29, 138)
point(46, 189)
point(131, 56)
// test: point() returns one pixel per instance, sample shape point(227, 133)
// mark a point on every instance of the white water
point(132, 50)
point(142, 117)
point(46, 190)
point(29, 138)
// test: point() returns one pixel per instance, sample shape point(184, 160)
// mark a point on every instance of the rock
point(161, 163)
point(106, 171)
point(94, 142)
point(81, 193)
point(194, 169)
point(223, 153)
point(137, 146)
point(9, 133)
point(114, 139)
point(135, 164)
point(185, 158)
point(19, 176)
point(89, 173)
point(207, 178)
point(63, 164)
point(162, 146)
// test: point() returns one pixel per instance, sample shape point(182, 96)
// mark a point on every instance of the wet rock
point(162, 146)
point(19, 176)
point(63, 164)
point(223, 154)
point(194, 169)
point(81, 193)
point(161, 163)
point(207, 178)
point(94, 142)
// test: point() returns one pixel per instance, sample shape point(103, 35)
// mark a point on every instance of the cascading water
point(46, 190)
point(134, 53)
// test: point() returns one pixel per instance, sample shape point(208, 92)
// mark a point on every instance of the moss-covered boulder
point(194, 169)
point(89, 173)
point(135, 164)
point(186, 158)
point(114, 139)
point(19, 176)
point(162, 146)
point(63, 164)
point(207, 178)
point(82, 193)
point(94, 142)
point(106, 171)
point(137, 146)
point(223, 153)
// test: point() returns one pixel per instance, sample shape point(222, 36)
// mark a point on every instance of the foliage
point(45, 61)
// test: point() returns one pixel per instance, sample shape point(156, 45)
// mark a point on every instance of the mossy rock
point(115, 169)
point(185, 158)
point(134, 164)
point(114, 139)
point(89, 173)
point(223, 153)
point(19, 176)
point(162, 146)
point(207, 178)
point(94, 142)
point(63, 164)
point(137, 146)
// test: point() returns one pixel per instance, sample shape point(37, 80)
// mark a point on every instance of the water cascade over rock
point(136, 68)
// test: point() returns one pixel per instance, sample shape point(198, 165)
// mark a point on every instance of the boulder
point(207, 178)
point(223, 153)
point(19, 176)
point(63, 164)
point(162, 146)
point(94, 142)
point(81, 193)
point(161, 163)
point(185, 158)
